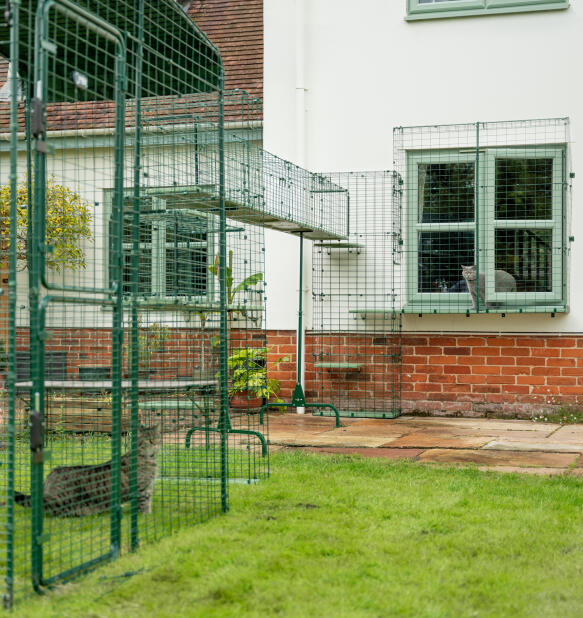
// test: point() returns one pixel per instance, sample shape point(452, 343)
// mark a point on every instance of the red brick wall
point(179, 356)
point(475, 375)
point(469, 375)
point(282, 344)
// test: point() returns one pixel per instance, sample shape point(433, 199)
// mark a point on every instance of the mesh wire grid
point(121, 163)
point(492, 197)
point(354, 349)
point(120, 317)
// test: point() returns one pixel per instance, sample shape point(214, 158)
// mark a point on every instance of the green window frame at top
point(431, 9)
point(499, 208)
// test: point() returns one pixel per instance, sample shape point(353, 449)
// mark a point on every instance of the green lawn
point(336, 536)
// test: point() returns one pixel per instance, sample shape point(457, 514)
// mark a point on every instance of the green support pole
point(117, 343)
point(11, 377)
point(135, 263)
point(224, 423)
point(477, 201)
point(36, 216)
point(298, 397)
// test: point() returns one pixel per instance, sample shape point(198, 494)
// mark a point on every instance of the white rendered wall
point(367, 70)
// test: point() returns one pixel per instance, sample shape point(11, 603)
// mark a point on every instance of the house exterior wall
point(368, 70)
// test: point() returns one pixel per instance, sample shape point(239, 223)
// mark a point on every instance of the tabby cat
point(503, 282)
point(76, 491)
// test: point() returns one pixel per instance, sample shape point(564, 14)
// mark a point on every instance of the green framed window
point(175, 249)
point(430, 9)
point(501, 210)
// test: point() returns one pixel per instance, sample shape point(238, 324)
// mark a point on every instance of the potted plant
point(250, 386)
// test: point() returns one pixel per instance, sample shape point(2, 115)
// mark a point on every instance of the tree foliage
point(67, 223)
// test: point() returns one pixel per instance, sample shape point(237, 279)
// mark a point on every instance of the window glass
point(446, 192)
point(524, 188)
point(527, 254)
point(441, 255)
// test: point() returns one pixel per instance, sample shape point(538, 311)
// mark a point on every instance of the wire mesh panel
point(486, 217)
point(15, 532)
point(138, 192)
point(127, 302)
point(74, 310)
point(355, 343)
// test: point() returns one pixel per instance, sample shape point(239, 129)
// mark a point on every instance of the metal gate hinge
point(36, 431)
point(38, 119)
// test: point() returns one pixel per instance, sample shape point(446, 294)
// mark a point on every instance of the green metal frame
point(484, 226)
point(39, 304)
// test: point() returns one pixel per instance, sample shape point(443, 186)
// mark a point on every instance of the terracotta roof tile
point(236, 28)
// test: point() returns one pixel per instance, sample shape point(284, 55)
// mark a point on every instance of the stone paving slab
point(329, 440)
point(569, 433)
point(500, 458)
point(384, 453)
point(477, 423)
point(530, 445)
point(492, 444)
point(443, 439)
point(387, 430)
point(524, 470)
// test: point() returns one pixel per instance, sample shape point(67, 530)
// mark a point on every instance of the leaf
point(248, 282)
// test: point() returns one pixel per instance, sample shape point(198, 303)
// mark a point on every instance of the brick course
point(468, 375)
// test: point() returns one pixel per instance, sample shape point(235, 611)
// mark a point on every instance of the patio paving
point(490, 444)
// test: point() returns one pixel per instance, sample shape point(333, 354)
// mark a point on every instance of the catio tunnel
point(133, 200)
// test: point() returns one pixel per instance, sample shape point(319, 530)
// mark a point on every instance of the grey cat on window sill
point(503, 282)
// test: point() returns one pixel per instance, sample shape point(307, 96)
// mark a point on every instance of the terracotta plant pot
point(245, 401)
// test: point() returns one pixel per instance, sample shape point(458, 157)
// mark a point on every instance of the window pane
point(527, 256)
point(446, 192)
point(441, 255)
point(524, 188)
point(144, 273)
point(186, 272)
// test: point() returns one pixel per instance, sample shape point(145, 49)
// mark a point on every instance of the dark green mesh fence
point(131, 236)
point(355, 345)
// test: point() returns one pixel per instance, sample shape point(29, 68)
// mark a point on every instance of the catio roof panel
point(177, 57)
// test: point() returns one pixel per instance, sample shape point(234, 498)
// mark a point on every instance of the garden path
point(491, 444)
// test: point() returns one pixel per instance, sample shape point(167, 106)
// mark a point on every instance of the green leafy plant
point(67, 223)
point(249, 373)
point(232, 288)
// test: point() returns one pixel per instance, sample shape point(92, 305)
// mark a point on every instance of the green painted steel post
point(298, 398)
point(37, 214)
point(224, 344)
point(477, 216)
point(11, 377)
point(116, 365)
point(135, 263)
